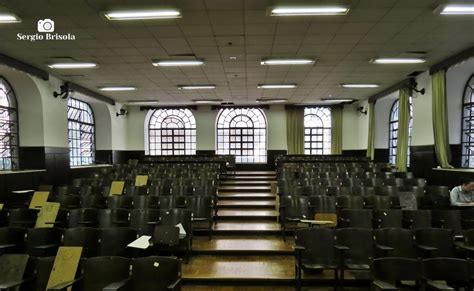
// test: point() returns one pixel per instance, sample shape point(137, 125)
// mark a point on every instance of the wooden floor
point(263, 288)
point(247, 251)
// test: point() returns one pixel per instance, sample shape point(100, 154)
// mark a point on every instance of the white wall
point(456, 79)
point(422, 113)
point(355, 127)
point(276, 118)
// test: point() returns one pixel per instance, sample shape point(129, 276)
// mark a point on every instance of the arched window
point(8, 127)
point(81, 133)
point(171, 132)
point(317, 131)
point(468, 125)
point(242, 132)
point(393, 131)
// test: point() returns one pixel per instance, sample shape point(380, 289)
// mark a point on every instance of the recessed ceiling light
point(287, 62)
point(177, 63)
point(271, 100)
point(207, 101)
point(458, 9)
point(359, 85)
point(117, 88)
point(142, 102)
point(398, 61)
point(143, 14)
point(9, 18)
point(196, 87)
point(232, 58)
point(77, 65)
point(309, 11)
point(276, 86)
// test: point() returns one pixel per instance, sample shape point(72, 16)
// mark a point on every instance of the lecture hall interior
point(236, 145)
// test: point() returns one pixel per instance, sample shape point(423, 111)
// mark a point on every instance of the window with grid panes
point(172, 132)
point(393, 131)
point(467, 138)
point(317, 131)
point(242, 132)
point(8, 127)
point(81, 133)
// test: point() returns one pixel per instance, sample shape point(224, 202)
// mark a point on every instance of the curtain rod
point(404, 83)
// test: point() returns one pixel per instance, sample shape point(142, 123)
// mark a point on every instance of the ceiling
point(218, 29)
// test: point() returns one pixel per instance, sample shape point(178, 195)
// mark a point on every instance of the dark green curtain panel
point(403, 122)
point(295, 130)
point(336, 130)
point(440, 119)
point(371, 134)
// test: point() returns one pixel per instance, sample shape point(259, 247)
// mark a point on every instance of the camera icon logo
point(45, 25)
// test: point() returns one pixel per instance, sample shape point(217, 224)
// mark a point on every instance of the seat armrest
point(64, 285)
point(438, 222)
point(299, 248)
point(463, 246)
point(383, 248)
point(176, 285)
point(117, 286)
point(382, 285)
point(341, 248)
point(11, 285)
point(7, 246)
point(48, 246)
point(438, 286)
point(398, 207)
point(426, 248)
point(154, 222)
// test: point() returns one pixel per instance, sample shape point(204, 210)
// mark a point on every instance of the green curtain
point(440, 119)
point(371, 135)
point(295, 130)
point(336, 130)
point(403, 122)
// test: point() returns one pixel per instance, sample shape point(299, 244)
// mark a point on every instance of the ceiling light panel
point(309, 11)
point(143, 14)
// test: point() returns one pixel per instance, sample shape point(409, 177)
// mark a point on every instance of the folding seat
point(86, 237)
point(360, 218)
point(455, 272)
point(120, 201)
point(437, 190)
point(47, 188)
point(350, 182)
point(113, 218)
point(67, 190)
point(372, 182)
point(387, 218)
point(338, 190)
point(434, 242)
point(292, 210)
point(203, 211)
point(312, 190)
point(395, 242)
point(404, 175)
point(415, 182)
point(69, 201)
point(144, 220)
point(12, 268)
point(323, 208)
point(83, 217)
point(397, 182)
point(114, 241)
point(363, 191)
point(173, 217)
point(94, 201)
point(130, 190)
point(467, 218)
point(153, 273)
point(386, 190)
point(43, 242)
point(38, 272)
point(349, 202)
point(467, 244)
point(166, 202)
point(389, 273)
point(355, 248)
point(415, 219)
point(449, 219)
point(381, 202)
point(12, 240)
point(22, 217)
point(311, 256)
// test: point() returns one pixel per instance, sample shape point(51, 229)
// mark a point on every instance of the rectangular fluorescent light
point(398, 61)
point(143, 14)
point(337, 100)
point(287, 62)
point(309, 11)
point(177, 63)
point(276, 86)
point(271, 100)
point(196, 87)
point(458, 9)
point(9, 18)
point(72, 65)
point(207, 101)
point(143, 102)
point(345, 85)
point(117, 88)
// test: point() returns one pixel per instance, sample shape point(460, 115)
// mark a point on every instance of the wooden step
point(245, 182)
point(253, 204)
point(255, 177)
point(246, 196)
point(242, 244)
point(242, 213)
point(253, 173)
point(254, 227)
point(240, 188)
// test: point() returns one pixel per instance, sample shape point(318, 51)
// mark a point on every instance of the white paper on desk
point(182, 232)
point(142, 242)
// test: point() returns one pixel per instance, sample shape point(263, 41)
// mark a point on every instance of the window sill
point(22, 172)
point(91, 166)
point(465, 170)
